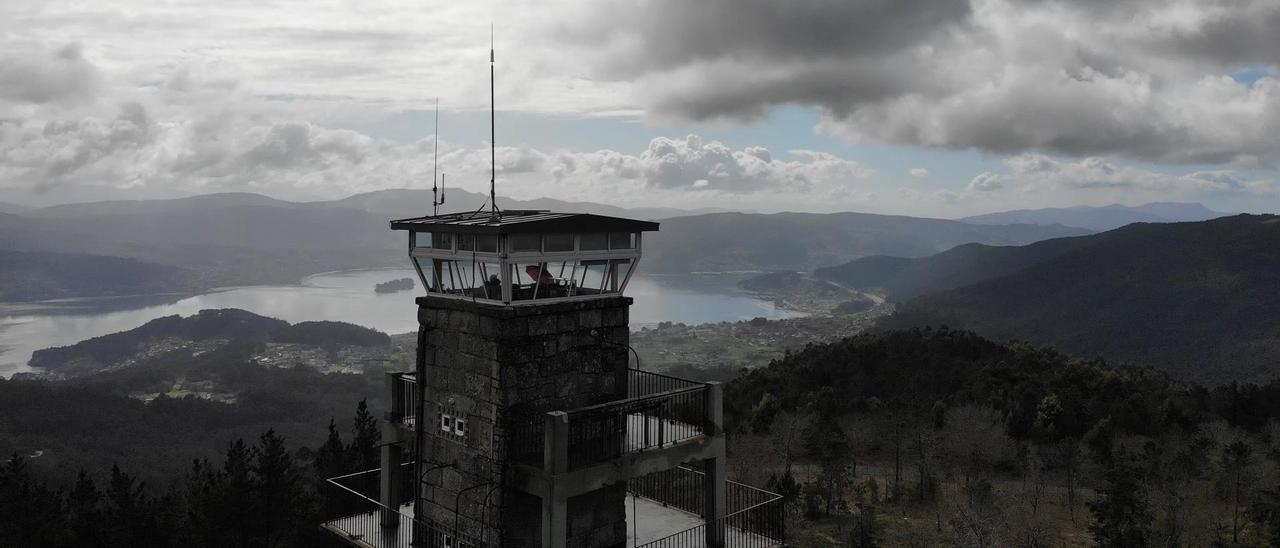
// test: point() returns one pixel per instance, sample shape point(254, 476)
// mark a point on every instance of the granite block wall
point(489, 365)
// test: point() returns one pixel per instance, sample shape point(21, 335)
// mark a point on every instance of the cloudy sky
point(925, 107)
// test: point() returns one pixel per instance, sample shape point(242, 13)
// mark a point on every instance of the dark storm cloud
point(671, 33)
point(1142, 78)
point(1246, 35)
point(44, 77)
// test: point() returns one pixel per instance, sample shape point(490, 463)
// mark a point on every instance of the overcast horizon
point(912, 107)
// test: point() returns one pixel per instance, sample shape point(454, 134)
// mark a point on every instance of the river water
point(340, 296)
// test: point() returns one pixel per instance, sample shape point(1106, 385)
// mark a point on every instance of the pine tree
point(1122, 516)
point(30, 513)
point(331, 458)
point(127, 514)
point(234, 502)
point(278, 489)
point(86, 523)
point(200, 491)
point(365, 439)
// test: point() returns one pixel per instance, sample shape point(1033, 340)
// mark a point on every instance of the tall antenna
point(437, 194)
point(493, 135)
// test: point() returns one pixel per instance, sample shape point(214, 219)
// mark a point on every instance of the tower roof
point(522, 221)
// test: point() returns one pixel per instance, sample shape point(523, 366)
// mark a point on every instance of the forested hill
point(916, 370)
point(222, 324)
point(1200, 300)
point(801, 241)
point(901, 278)
point(940, 437)
point(34, 276)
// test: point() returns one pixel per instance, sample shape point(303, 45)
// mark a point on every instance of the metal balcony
point(664, 509)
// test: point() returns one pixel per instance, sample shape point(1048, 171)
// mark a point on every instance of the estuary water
point(340, 296)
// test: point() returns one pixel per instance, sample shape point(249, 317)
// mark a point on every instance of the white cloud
point(235, 151)
point(985, 182)
point(1040, 173)
point(694, 164)
point(918, 172)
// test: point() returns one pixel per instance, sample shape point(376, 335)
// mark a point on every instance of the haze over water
point(342, 296)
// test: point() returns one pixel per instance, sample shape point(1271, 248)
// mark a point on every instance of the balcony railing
point(754, 517)
point(404, 397)
point(354, 513)
point(660, 411)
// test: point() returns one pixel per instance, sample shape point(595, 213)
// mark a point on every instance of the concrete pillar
point(555, 459)
point(392, 455)
point(714, 502)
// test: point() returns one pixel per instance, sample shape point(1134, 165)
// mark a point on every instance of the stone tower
point(523, 424)
point(524, 315)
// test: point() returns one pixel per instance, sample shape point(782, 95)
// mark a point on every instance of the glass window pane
point(620, 268)
point(592, 276)
point(465, 242)
point(622, 240)
point(442, 240)
point(593, 242)
point(558, 242)
point(421, 239)
point(525, 242)
point(428, 274)
point(487, 243)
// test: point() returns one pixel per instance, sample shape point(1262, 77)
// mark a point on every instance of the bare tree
point(786, 431)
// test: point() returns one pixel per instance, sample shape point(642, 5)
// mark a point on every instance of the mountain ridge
point(1198, 299)
point(1101, 218)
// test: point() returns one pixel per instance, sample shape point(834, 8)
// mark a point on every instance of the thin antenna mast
point(435, 160)
point(493, 131)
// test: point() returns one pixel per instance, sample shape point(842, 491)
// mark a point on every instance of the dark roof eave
point(543, 223)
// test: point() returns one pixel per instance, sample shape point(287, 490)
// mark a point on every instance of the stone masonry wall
point(488, 363)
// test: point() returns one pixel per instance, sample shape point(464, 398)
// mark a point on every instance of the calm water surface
point(343, 296)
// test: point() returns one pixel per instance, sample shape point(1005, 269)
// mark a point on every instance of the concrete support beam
point(392, 455)
point(714, 503)
point(555, 505)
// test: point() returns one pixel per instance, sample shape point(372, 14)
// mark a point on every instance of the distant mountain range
point(803, 241)
point(1198, 299)
point(1100, 218)
point(6, 207)
point(241, 238)
point(403, 203)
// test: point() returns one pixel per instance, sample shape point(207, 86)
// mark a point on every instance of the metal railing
point(660, 411)
point(607, 431)
point(404, 397)
point(754, 518)
point(354, 513)
point(646, 383)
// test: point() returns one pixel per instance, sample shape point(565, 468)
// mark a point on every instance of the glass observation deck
point(515, 257)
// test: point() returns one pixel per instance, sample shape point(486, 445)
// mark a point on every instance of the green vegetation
point(732, 346)
point(262, 494)
point(93, 421)
point(392, 286)
point(931, 437)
